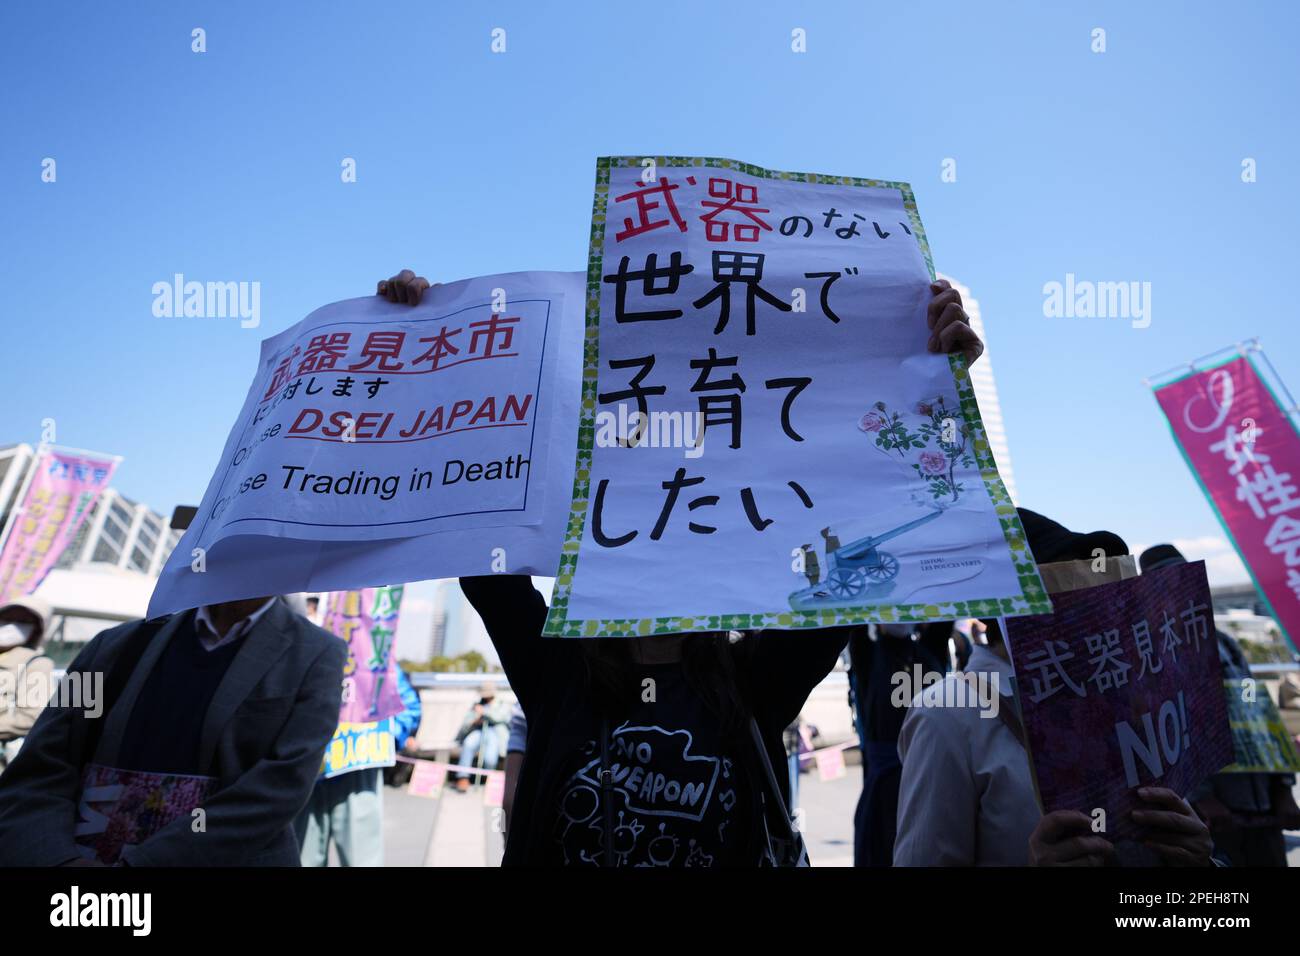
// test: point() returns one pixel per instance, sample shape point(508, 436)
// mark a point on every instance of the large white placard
point(381, 443)
point(766, 440)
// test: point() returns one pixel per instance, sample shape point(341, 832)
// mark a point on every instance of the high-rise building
point(986, 392)
point(463, 629)
point(437, 628)
point(15, 460)
point(123, 533)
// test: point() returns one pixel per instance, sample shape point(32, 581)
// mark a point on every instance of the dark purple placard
point(1121, 687)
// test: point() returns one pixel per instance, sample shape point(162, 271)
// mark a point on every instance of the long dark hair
point(712, 664)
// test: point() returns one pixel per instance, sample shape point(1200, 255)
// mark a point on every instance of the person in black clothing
point(688, 785)
point(1246, 812)
point(878, 714)
point(657, 751)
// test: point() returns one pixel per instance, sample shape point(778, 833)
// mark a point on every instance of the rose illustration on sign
point(932, 463)
point(872, 422)
point(940, 435)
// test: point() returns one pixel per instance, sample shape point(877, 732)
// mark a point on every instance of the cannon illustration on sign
point(852, 568)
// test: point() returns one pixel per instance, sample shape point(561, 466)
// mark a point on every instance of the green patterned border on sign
point(1032, 598)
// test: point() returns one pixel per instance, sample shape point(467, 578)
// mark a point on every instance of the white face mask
point(14, 634)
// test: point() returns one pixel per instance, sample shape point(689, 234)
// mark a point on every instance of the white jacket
point(966, 797)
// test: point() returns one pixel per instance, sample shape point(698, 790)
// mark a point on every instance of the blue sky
point(1121, 166)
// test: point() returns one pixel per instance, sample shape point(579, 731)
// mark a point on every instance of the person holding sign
point(967, 795)
point(658, 750)
point(1246, 812)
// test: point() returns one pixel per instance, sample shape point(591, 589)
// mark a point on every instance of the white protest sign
point(765, 439)
point(382, 443)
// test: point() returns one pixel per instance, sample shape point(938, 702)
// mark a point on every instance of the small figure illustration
point(854, 567)
point(811, 566)
point(832, 540)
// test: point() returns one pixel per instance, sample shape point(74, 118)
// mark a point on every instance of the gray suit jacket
point(263, 738)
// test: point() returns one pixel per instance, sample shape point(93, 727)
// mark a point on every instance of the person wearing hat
point(966, 797)
point(26, 675)
point(479, 736)
point(1246, 812)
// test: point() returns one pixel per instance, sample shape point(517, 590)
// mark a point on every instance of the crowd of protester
point(607, 749)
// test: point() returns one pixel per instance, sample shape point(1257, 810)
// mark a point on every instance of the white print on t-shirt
point(657, 782)
point(657, 772)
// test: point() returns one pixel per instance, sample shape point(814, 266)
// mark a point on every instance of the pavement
point(458, 829)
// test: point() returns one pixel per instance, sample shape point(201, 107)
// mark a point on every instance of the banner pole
point(1291, 410)
point(1239, 347)
point(67, 450)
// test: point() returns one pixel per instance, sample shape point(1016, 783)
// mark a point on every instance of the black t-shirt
point(680, 798)
point(777, 669)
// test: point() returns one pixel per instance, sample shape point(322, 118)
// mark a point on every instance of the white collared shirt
point(207, 632)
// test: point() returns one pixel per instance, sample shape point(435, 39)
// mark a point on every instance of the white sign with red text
point(385, 443)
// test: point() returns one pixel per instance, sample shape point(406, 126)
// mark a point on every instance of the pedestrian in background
point(26, 674)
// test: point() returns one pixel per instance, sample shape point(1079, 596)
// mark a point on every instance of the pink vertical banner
point(367, 620)
point(1244, 449)
point(64, 487)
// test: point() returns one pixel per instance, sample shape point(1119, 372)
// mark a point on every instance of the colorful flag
point(63, 489)
point(359, 747)
point(1260, 740)
point(1244, 449)
point(367, 620)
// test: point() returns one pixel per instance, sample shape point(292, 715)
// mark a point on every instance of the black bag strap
point(789, 837)
point(119, 674)
point(606, 793)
